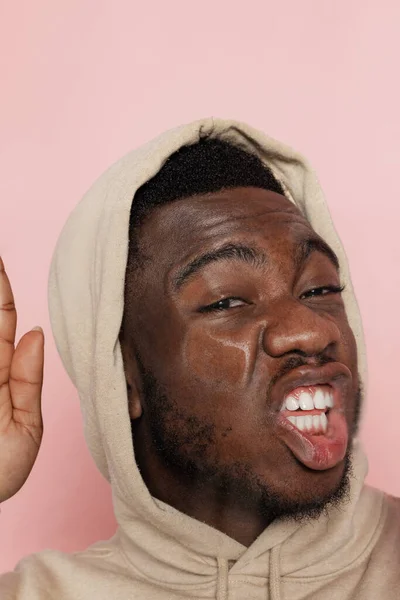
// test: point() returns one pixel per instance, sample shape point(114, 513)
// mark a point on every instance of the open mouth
point(307, 408)
point(313, 426)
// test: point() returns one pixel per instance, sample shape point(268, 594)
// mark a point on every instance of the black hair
point(209, 165)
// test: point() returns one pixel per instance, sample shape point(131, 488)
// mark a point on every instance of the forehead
point(190, 224)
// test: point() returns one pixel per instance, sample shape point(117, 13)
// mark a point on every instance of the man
point(212, 333)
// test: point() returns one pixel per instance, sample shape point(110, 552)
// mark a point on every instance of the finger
point(26, 379)
point(8, 315)
point(8, 323)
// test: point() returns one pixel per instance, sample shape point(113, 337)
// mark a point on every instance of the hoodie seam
point(124, 556)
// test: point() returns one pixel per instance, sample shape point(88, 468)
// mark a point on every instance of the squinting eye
point(322, 291)
point(224, 304)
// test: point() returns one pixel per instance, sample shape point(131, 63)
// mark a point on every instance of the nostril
point(307, 345)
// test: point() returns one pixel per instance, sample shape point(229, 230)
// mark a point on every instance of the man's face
point(235, 319)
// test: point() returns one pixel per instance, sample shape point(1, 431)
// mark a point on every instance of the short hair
point(210, 165)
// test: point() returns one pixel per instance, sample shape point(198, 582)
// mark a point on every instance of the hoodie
point(157, 552)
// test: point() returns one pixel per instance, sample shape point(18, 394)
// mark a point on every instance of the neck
point(221, 507)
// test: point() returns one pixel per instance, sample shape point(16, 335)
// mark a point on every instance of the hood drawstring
point(275, 574)
point(222, 579)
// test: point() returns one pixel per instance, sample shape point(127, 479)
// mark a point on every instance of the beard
point(183, 443)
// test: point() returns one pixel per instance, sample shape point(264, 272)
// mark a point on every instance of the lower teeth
point(310, 423)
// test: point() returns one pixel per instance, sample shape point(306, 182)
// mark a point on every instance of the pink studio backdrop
point(84, 81)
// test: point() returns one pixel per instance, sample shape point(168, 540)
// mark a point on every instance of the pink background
point(84, 81)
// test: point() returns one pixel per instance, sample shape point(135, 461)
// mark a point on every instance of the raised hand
point(21, 378)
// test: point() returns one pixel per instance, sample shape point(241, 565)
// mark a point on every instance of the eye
point(223, 304)
point(322, 291)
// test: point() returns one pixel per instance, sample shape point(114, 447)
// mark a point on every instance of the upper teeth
point(321, 399)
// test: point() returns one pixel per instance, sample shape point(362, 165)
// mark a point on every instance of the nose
point(298, 329)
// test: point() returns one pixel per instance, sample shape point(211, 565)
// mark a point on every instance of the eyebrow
point(252, 255)
point(315, 244)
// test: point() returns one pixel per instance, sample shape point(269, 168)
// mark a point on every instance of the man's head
point(233, 312)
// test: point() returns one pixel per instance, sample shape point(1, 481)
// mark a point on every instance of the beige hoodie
point(158, 552)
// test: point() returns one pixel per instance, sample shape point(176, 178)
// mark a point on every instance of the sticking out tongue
point(318, 452)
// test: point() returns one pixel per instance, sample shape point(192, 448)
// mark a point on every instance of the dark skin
point(215, 338)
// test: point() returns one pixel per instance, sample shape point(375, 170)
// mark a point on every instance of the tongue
point(319, 452)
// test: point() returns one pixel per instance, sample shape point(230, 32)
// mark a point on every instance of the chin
point(313, 494)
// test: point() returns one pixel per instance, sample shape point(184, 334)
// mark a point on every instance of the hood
point(86, 301)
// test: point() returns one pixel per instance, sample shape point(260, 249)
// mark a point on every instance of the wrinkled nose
point(298, 329)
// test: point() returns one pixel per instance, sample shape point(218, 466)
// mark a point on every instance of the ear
point(133, 381)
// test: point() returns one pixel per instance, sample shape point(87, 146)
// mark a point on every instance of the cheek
point(349, 346)
point(221, 358)
point(353, 361)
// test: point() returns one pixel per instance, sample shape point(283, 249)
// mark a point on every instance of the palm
point(21, 376)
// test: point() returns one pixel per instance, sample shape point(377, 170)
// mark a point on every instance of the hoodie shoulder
point(383, 573)
point(52, 574)
point(100, 572)
point(391, 529)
